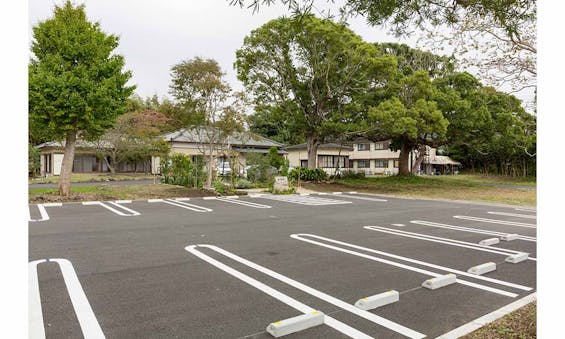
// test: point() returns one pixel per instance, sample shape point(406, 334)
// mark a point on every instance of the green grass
point(94, 177)
point(113, 192)
point(452, 187)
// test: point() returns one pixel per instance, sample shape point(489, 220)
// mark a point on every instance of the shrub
point(351, 175)
point(179, 170)
point(242, 183)
point(219, 187)
point(308, 174)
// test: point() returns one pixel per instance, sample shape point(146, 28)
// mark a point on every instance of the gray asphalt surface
point(141, 282)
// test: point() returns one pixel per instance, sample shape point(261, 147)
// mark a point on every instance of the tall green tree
point(312, 70)
point(198, 84)
point(77, 85)
point(410, 117)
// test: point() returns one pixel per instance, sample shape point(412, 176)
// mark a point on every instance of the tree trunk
point(210, 167)
point(110, 167)
point(67, 165)
point(421, 155)
point(403, 165)
point(312, 144)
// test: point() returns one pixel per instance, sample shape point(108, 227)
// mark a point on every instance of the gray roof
point(80, 144)
point(321, 146)
point(198, 135)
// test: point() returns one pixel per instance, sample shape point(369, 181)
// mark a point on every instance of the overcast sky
point(156, 34)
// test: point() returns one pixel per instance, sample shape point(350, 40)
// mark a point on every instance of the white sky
point(155, 35)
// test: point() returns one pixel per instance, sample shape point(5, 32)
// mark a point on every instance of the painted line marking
point(495, 221)
point(525, 209)
point(86, 318)
point(209, 198)
point(181, 199)
point(398, 225)
point(155, 200)
point(363, 198)
point(526, 216)
point(187, 206)
point(118, 212)
point(488, 318)
point(123, 201)
point(243, 203)
point(42, 211)
point(468, 229)
point(412, 268)
point(318, 294)
point(36, 329)
point(447, 241)
point(305, 200)
point(53, 204)
point(339, 326)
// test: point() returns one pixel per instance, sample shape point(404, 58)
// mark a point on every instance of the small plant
point(350, 175)
point(291, 190)
point(308, 174)
point(242, 183)
point(220, 187)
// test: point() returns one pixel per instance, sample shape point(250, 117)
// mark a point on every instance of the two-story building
point(371, 158)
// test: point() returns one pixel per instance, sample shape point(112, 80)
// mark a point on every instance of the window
point(304, 163)
point(326, 161)
point(379, 145)
point(363, 147)
point(381, 163)
point(363, 163)
point(396, 162)
point(331, 161)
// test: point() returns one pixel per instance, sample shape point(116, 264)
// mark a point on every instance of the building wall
point(295, 157)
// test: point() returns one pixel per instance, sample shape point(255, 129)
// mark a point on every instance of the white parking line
point(304, 200)
point(495, 221)
point(243, 202)
point(86, 318)
point(118, 212)
point(338, 325)
point(447, 241)
point(488, 318)
point(318, 294)
point(525, 209)
point(412, 268)
point(43, 211)
point(36, 329)
point(187, 206)
point(468, 229)
point(362, 198)
point(526, 216)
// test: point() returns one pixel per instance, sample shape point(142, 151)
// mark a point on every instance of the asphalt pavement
point(207, 268)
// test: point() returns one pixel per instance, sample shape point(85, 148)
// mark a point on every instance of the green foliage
point(76, 82)
point(260, 169)
point(284, 167)
point(308, 174)
point(351, 175)
point(275, 160)
point(177, 169)
point(306, 75)
point(243, 183)
point(33, 161)
point(220, 186)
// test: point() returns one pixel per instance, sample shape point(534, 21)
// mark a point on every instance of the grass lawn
point(518, 324)
point(93, 177)
point(114, 192)
point(512, 191)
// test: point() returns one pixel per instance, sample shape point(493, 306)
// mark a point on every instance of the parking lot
point(228, 267)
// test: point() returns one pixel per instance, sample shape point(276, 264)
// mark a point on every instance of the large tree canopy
point(312, 70)
point(77, 86)
point(410, 117)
